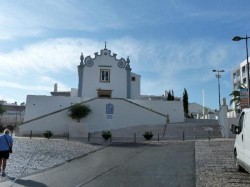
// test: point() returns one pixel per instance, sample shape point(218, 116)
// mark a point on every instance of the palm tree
point(236, 96)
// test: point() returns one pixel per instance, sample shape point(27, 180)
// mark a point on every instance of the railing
point(181, 134)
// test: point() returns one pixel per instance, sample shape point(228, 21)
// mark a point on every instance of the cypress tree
point(185, 102)
point(169, 98)
point(172, 95)
point(1, 110)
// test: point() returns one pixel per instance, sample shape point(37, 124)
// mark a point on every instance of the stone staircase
point(176, 131)
point(192, 131)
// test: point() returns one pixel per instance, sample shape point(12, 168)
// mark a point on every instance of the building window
point(243, 69)
point(104, 75)
point(133, 78)
point(244, 81)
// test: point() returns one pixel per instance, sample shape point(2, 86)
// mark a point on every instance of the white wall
point(58, 123)
point(74, 92)
point(195, 108)
point(223, 121)
point(135, 86)
point(37, 106)
point(125, 114)
point(91, 76)
point(173, 108)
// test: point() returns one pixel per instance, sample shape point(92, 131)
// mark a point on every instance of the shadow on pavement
point(27, 183)
point(30, 183)
point(143, 144)
point(132, 145)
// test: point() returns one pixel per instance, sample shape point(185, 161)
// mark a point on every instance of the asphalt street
point(157, 164)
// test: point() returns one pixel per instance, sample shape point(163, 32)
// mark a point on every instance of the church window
point(133, 78)
point(105, 75)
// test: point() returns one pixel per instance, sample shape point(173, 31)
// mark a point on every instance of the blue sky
point(172, 44)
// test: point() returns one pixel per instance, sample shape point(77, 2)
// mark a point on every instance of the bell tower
point(80, 75)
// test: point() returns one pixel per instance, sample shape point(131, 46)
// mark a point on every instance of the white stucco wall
point(74, 92)
point(91, 76)
point(125, 114)
point(135, 86)
point(58, 123)
point(173, 108)
point(223, 121)
point(37, 106)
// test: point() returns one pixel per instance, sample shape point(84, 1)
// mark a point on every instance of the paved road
point(158, 164)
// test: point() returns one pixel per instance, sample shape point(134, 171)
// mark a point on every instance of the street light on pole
point(238, 38)
point(218, 76)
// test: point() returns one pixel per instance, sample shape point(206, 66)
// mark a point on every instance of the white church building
point(111, 90)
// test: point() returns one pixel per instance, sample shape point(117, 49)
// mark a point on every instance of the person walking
point(6, 143)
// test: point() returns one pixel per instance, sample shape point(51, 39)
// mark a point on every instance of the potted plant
point(106, 135)
point(148, 135)
point(47, 134)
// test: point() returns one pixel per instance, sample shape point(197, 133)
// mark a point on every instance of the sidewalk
point(122, 165)
point(215, 165)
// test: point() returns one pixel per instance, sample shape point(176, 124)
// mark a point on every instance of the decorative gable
point(105, 72)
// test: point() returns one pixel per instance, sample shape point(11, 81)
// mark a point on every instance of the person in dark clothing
point(6, 143)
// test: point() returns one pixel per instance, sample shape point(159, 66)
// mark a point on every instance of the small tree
point(106, 135)
point(148, 135)
point(79, 111)
point(170, 96)
point(185, 102)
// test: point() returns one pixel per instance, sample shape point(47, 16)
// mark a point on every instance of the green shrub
point(79, 111)
point(148, 135)
point(106, 135)
point(47, 134)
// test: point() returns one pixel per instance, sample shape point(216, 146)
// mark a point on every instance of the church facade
point(106, 76)
point(112, 91)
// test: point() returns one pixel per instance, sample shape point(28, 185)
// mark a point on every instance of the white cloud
point(49, 56)
point(32, 19)
point(37, 67)
point(45, 80)
point(15, 85)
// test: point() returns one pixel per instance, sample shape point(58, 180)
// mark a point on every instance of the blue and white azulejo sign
point(109, 108)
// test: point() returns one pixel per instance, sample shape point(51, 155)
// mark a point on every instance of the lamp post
point(218, 76)
point(238, 38)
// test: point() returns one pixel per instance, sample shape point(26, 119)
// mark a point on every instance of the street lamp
point(238, 38)
point(218, 76)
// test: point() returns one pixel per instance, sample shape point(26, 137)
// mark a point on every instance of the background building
point(13, 115)
point(199, 112)
point(239, 75)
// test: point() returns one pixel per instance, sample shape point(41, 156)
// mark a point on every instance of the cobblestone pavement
point(213, 159)
point(37, 154)
point(215, 165)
